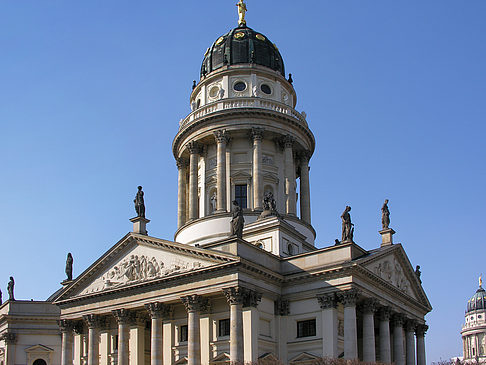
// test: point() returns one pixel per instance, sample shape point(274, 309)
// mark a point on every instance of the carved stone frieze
point(140, 268)
point(389, 269)
point(327, 300)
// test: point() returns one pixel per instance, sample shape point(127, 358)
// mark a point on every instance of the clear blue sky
point(91, 93)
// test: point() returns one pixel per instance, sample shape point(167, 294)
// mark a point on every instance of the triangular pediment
point(39, 348)
point(304, 358)
point(138, 259)
point(392, 266)
point(223, 358)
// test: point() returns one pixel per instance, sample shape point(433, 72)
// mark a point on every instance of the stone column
point(281, 312)
point(305, 209)
point(235, 297)
point(251, 324)
point(66, 327)
point(328, 304)
point(194, 150)
point(385, 350)
point(221, 140)
point(194, 304)
point(420, 333)
point(157, 312)
point(410, 341)
point(257, 137)
point(181, 193)
point(93, 322)
point(349, 298)
point(10, 339)
point(398, 350)
point(369, 308)
point(123, 317)
point(290, 198)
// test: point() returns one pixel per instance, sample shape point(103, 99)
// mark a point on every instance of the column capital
point(194, 147)
point(92, 320)
point(221, 136)
point(9, 337)
point(252, 298)
point(370, 305)
point(195, 303)
point(159, 310)
point(385, 313)
point(398, 320)
point(410, 325)
point(256, 133)
point(349, 297)
point(123, 316)
point(181, 163)
point(327, 300)
point(241, 295)
point(288, 141)
point(421, 329)
point(66, 325)
point(282, 307)
point(304, 156)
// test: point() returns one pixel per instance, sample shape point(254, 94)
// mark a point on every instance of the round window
point(239, 86)
point(266, 89)
point(213, 92)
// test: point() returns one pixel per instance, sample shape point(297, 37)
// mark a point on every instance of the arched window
point(39, 362)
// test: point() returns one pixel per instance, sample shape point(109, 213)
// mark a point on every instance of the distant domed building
point(474, 329)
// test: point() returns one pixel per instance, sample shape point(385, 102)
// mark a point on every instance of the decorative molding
point(349, 297)
point(421, 329)
point(195, 303)
point(410, 325)
point(182, 163)
point(327, 300)
point(194, 147)
point(122, 316)
point(92, 320)
point(240, 295)
point(221, 136)
point(66, 325)
point(159, 310)
point(256, 133)
point(370, 305)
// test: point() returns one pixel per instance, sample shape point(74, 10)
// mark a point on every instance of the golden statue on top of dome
point(241, 13)
point(481, 280)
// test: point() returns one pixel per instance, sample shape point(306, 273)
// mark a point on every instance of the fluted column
point(282, 311)
point(410, 341)
point(10, 340)
point(328, 303)
point(123, 317)
point(181, 193)
point(67, 338)
point(305, 209)
point(194, 304)
point(235, 297)
point(349, 298)
point(398, 350)
point(385, 350)
point(221, 140)
point(290, 198)
point(369, 309)
point(257, 137)
point(420, 333)
point(157, 312)
point(194, 150)
point(92, 320)
point(251, 324)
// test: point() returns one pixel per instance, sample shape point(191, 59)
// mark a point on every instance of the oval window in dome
point(266, 89)
point(213, 91)
point(239, 35)
point(239, 86)
point(219, 41)
point(260, 37)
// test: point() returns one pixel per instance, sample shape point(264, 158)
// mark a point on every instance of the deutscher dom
point(242, 280)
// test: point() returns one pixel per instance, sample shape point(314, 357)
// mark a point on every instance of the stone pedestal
point(387, 237)
point(139, 225)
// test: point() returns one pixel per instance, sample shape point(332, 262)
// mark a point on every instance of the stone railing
point(235, 103)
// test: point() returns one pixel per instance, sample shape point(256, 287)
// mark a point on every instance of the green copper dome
point(239, 46)
point(478, 301)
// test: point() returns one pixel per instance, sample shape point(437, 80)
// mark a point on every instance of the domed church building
point(243, 280)
point(474, 329)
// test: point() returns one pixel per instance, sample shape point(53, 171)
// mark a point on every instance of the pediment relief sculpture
point(141, 266)
point(390, 270)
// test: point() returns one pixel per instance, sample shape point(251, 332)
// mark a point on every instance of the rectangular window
point(224, 327)
point(306, 328)
point(183, 333)
point(240, 195)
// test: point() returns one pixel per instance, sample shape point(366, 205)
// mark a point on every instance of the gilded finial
point(481, 280)
point(241, 13)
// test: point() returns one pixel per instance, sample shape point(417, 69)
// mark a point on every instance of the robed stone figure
point(348, 230)
point(69, 266)
point(385, 215)
point(10, 289)
point(139, 203)
point(238, 221)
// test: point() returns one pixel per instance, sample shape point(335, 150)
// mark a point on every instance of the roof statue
point(139, 203)
point(481, 280)
point(241, 13)
point(385, 215)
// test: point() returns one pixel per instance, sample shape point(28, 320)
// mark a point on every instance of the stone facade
point(474, 329)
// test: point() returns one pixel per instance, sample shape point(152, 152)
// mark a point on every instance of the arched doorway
point(39, 362)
